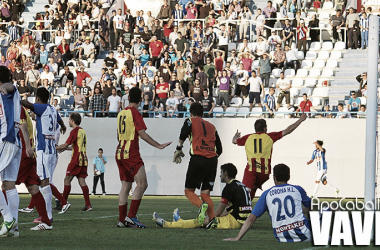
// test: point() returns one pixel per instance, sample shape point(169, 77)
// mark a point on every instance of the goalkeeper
point(205, 148)
point(234, 207)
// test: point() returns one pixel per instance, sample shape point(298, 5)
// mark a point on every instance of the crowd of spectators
point(174, 62)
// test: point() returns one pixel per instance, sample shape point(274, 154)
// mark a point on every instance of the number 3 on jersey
point(287, 199)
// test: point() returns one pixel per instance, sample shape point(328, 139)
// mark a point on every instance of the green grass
point(97, 229)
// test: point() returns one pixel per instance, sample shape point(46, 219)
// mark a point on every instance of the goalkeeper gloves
point(178, 154)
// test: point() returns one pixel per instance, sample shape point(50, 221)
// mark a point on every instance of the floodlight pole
point(371, 122)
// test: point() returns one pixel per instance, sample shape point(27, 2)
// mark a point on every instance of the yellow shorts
point(228, 222)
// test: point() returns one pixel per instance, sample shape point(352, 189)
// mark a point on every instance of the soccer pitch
point(97, 229)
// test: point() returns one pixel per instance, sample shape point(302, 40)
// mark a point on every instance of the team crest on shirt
point(1, 111)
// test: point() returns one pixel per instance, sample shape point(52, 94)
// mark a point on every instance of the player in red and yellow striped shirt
point(258, 148)
point(77, 142)
point(131, 126)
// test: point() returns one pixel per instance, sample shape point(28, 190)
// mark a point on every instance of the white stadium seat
point(294, 92)
point(327, 73)
point(305, 90)
point(301, 73)
point(310, 82)
point(231, 46)
point(290, 73)
point(297, 82)
point(315, 46)
point(300, 55)
point(331, 64)
point(31, 99)
point(276, 73)
point(236, 102)
point(256, 112)
point(282, 112)
point(218, 111)
point(310, 55)
point(321, 82)
point(316, 101)
point(363, 100)
point(336, 55)
point(306, 64)
point(323, 55)
point(230, 112)
point(314, 73)
point(328, 6)
point(255, 64)
point(327, 46)
point(319, 64)
point(290, 15)
point(324, 15)
point(61, 91)
point(272, 82)
point(340, 46)
point(245, 102)
point(321, 92)
point(243, 112)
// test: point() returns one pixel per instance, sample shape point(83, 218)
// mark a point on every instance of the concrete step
point(360, 56)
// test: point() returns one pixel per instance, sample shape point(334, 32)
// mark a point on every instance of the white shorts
point(45, 164)
point(10, 156)
point(321, 175)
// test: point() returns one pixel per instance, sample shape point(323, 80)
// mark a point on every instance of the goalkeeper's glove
point(178, 154)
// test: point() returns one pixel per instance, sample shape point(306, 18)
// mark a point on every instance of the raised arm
point(27, 105)
point(295, 125)
point(151, 141)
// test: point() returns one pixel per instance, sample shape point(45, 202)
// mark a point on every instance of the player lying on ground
point(258, 148)
point(46, 119)
point(77, 142)
point(284, 204)
point(234, 207)
point(205, 148)
point(130, 127)
point(320, 158)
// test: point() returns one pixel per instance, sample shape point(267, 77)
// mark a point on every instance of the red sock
point(58, 195)
point(66, 192)
point(86, 195)
point(31, 204)
point(5, 195)
point(123, 212)
point(41, 207)
point(134, 207)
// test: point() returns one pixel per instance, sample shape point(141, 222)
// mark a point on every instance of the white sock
point(46, 193)
point(316, 189)
point(4, 209)
point(335, 189)
point(13, 202)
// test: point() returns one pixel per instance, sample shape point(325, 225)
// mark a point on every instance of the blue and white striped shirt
point(319, 157)
point(138, 70)
point(364, 23)
point(10, 110)
point(270, 100)
point(13, 32)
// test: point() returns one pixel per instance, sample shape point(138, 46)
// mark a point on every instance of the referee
point(205, 148)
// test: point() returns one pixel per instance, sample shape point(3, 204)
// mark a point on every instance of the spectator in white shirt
point(172, 105)
point(256, 85)
point(245, 46)
point(283, 85)
point(47, 75)
point(291, 58)
point(173, 35)
point(113, 104)
point(242, 81)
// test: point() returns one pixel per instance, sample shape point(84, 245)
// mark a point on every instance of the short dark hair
point(75, 116)
point(135, 95)
point(230, 169)
point(260, 125)
point(340, 104)
point(281, 172)
point(353, 92)
point(100, 149)
point(363, 106)
point(304, 94)
point(5, 74)
point(320, 143)
point(43, 94)
point(196, 109)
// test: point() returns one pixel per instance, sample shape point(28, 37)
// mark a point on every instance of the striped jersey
point(78, 140)
point(129, 123)
point(320, 159)
point(10, 111)
point(270, 100)
point(46, 126)
point(25, 118)
point(57, 134)
point(364, 23)
point(284, 205)
point(258, 148)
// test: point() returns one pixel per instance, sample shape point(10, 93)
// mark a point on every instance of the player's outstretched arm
point(27, 105)
point(309, 162)
point(62, 147)
point(151, 141)
point(247, 225)
point(295, 125)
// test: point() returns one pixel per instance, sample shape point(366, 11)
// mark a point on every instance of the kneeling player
point(234, 207)
point(77, 142)
point(28, 173)
point(284, 205)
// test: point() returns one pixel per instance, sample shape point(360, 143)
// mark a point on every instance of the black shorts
point(254, 96)
point(201, 172)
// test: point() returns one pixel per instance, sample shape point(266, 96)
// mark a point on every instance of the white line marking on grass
point(314, 248)
point(100, 217)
